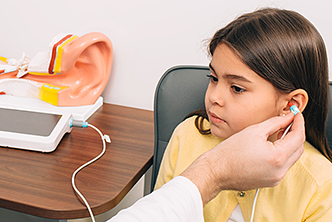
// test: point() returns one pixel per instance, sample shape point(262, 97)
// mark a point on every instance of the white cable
point(103, 138)
point(253, 206)
point(255, 199)
point(286, 130)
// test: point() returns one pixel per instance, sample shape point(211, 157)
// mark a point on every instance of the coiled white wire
point(103, 138)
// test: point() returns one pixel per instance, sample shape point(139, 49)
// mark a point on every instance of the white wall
point(148, 36)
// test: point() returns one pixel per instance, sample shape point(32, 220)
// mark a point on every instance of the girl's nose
point(217, 95)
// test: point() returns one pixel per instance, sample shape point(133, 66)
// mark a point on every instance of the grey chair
point(180, 91)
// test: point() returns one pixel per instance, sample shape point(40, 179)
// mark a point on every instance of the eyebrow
point(211, 68)
point(232, 76)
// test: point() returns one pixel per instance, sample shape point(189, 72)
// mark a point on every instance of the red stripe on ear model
point(54, 52)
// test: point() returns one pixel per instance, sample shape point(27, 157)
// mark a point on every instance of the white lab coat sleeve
point(176, 201)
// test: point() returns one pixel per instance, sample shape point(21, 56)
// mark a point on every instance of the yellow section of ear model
point(49, 93)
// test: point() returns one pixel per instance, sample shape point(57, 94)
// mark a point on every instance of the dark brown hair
point(284, 48)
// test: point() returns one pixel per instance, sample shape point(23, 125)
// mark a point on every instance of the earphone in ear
point(293, 108)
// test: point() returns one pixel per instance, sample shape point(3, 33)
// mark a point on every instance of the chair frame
point(180, 91)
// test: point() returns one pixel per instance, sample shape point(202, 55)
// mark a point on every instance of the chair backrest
point(180, 91)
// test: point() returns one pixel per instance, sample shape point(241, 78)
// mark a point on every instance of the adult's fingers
point(272, 125)
point(292, 143)
point(296, 135)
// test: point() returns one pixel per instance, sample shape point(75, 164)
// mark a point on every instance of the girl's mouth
point(215, 119)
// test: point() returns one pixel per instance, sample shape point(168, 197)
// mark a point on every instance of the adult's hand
point(247, 160)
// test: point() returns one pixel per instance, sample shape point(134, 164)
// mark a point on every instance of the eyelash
point(212, 78)
point(235, 88)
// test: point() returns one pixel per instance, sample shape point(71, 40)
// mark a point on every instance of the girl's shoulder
point(315, 165)
point(187, 131)
point(187, 126)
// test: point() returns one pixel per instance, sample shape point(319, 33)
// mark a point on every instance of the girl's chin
point(220, 134)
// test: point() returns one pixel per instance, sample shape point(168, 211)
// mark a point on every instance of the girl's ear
point(298, 97)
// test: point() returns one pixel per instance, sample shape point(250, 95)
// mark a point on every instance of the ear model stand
point(293, 108)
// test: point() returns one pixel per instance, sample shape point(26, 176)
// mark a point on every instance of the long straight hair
point(284, 48)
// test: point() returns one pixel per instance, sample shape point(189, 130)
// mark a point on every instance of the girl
point(260, 62)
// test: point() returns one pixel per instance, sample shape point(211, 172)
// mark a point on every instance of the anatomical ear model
point(73, 72)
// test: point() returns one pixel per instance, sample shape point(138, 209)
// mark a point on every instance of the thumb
point(274, 124)
point(296, 135)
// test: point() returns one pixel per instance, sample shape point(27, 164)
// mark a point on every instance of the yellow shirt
point(304, 194)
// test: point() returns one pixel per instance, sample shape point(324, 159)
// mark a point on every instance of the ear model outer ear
point(85, 69)
point(86, 64)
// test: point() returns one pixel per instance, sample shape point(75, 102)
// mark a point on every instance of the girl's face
point(237, 97)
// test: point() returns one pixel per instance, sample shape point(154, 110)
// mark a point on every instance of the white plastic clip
point(107, 138)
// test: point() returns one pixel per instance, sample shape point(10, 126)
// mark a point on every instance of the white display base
point(29, 140)
point(34, 139)
point(22, 103)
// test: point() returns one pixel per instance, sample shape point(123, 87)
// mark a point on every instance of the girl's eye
point(237, 89)
point(212, 78)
